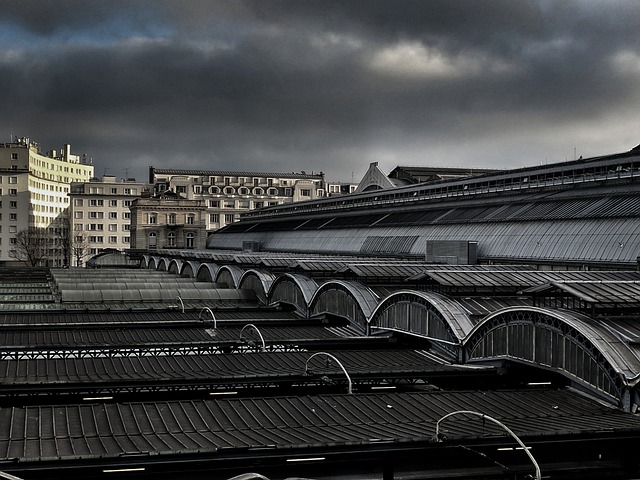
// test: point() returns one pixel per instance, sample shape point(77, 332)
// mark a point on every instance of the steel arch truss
point(536, 337)
point(412, 313)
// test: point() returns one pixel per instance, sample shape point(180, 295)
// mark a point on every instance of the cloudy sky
point(321, 85)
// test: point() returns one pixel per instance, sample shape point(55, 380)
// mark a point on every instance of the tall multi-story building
point(168, 221)
point(35, 197)
point(100, 216)
point(227, 194)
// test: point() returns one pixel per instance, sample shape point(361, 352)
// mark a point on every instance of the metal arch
point(264, 346)
point(356, 290)
point(451, 319)
point(210, 267)
point(179, 299)
point(178, 265)
point(344, 370)
point(266, 279)
point(581, 324)
point(213, 317)
point(233, 270)
point(497, 422)
point(302, 282)
point(193, 266)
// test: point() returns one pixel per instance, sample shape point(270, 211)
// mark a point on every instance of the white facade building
point(100, 215)
point(228, 194)
point(35, 195)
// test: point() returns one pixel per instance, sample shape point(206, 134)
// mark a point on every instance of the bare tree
point(79, 247)
point(31, 246)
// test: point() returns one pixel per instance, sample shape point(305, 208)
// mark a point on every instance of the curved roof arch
point(363, 301)
point(452, 322)
point(175, 265)
point(306, 285)
point(252, 278)
point(558, 339)
point(207, 272)
point(144, 261)
point(163, 264)
point(153, 262)
point(231, 271)
point(189, 269)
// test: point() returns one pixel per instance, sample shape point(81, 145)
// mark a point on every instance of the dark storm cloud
point(321, 85)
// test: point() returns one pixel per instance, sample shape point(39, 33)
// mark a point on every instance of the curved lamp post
point(251, 325)
point(213, 317)
point(306, 368)
point(179, 299)
point(497, 422)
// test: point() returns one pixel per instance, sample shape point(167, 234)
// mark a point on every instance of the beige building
point(227, 194)
point(35, 195)
point(168, 221)
point(100, 215)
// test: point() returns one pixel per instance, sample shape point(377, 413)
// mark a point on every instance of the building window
point(113, 227)
point(78, 215)
point(96, 214)
point(214, 218)
point(13, 179)
point(181, 189)
point(113, 215)
point(126, 239)
point(243, 191)
point(113, 203)
point(126, 215)
point(13, 229)
point(77, 202)
point(228, 218)
point(126, 203)
point(257, 204)
point(272, 191)
point(227, 180)
point(229, 190)
point(190, 240)
point(171, 239)
point(153, 240)
point(190, 219)
point(258, 191)
point(13, 192)
point(114, 190)
point(13, 217)
point(171, 219)
point(127, 191)
point(153, 218)
point(305, 192)
point(13, 204)
point(214, 203)
point(14, 156)
point(96, 202)
point(113, 239)
point(126, 228)
point(197, 189)
point(214, 190)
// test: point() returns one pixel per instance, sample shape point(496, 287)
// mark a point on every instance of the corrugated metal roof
point(572, 240)
point(217, 428)
point(184, 371)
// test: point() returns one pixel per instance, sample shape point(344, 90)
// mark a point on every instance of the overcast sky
point(281, 86)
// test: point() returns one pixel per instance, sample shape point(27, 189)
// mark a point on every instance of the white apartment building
point(227, 194)
point(100, 215)
point(34, 189)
